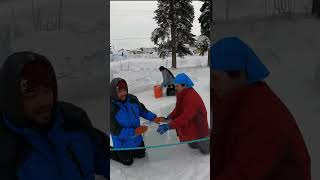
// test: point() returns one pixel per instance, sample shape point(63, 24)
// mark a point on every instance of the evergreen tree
point(205, 20)
point(174, 19)
point(203, 43)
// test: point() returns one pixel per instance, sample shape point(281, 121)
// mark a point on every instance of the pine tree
point(174, 19)
point(203, 43)
point(205, 20)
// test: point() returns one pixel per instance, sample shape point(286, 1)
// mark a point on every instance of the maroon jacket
point(255, 137)
point(189, 116)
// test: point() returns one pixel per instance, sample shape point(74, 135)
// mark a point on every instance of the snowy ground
point(174, 162)
point(289, 47)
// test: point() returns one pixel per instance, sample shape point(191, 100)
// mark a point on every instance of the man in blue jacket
point(126, 130)
point(41, 137)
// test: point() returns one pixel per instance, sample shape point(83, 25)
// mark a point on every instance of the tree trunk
point(173, 35)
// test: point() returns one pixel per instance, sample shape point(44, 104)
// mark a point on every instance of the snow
point(173, 162)
point(289, 48)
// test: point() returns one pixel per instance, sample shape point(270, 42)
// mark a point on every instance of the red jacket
point(189, 116)
point(255, 137)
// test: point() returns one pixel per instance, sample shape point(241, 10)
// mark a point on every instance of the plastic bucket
point(157, 91)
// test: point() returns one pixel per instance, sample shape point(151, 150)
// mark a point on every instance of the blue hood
point(233, 54)
point(183, 79)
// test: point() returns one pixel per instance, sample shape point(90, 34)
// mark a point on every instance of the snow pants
point(127, 157)
point(171, 90)
point(203, 146)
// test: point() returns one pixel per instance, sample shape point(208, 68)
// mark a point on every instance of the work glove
point(140, 130)
point(163, 128)
point(158, 120)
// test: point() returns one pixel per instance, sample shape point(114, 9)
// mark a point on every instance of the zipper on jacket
point(74, 158)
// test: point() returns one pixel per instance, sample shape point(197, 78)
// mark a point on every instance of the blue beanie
point(233, 54)
point(183, 79)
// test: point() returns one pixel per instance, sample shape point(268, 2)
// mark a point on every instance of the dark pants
point(126, 157)
point(171, 90)
point(203, 146)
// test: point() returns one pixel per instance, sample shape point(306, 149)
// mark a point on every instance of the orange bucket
point(157, 91)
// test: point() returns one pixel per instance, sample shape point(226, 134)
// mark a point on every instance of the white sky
point(134, 19)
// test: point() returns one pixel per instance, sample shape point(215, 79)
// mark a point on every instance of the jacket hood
point(183, 79)
point(10, 84)
point(113, 87)
point(231, 53)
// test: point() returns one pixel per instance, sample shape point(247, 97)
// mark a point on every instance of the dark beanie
point(161, 68)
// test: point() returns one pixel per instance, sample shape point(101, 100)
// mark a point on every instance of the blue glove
point(163, 128)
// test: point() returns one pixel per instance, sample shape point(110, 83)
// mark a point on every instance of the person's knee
point(205, 151)
point(204, 147)
point(193, 145)
point(128, 162)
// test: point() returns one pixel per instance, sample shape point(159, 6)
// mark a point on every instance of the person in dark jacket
point(126, 131)
point(41, 137)
point(168, 81)
point(254, 135)
point(189, 117)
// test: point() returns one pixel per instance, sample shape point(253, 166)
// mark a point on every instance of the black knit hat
point(161, 68)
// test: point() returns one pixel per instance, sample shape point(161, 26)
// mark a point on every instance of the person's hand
point(159, 119)
point(163, 128)
point(140, 130)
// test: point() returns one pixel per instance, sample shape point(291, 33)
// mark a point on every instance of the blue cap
point(233, 54)
point(183, 79)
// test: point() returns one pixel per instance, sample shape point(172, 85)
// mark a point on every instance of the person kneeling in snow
point(168, 81)
point(189, 117)
point(254, 135)
point(126, 130)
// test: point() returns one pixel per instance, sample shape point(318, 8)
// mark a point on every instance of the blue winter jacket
point(61, 154)
point(125, 118)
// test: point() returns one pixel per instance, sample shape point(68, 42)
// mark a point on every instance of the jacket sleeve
point(145, 113)
point(256, 147)
point(116, 129)
point(77, 118)
point(190, 110)
point(173, 114)
point(101, 150)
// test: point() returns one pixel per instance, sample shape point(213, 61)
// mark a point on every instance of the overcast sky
point(134, 20)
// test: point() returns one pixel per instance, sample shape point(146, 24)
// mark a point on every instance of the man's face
point(38, 104)
point(179, 87)
point(122, 94)
point(223, 84)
